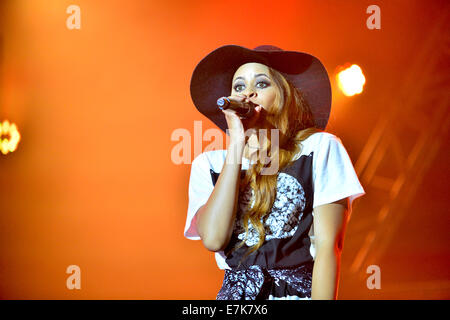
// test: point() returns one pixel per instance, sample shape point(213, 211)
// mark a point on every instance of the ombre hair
point(292, 116)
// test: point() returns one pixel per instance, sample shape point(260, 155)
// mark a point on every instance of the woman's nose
point(251, 95)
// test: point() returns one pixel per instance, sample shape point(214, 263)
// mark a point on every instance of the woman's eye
point(265, 84)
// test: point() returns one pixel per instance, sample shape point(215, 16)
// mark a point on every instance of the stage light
point(351, 80)
point(9, 137)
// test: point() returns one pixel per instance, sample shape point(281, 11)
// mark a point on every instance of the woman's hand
point(236, 125)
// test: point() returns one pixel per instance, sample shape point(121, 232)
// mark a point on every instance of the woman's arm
point(215, 219)
point(330, 221)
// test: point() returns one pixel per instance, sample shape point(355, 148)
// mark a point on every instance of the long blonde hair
point(293, 117)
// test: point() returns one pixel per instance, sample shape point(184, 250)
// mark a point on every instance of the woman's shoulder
point(316, 140)
point(313, 143)
point(322, 136)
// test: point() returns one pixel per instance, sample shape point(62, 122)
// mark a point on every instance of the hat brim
point(213, 75)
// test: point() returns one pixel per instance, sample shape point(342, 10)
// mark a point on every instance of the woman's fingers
point(233, 120)
point(238, 124)
point(237, 98)
point(250, 122)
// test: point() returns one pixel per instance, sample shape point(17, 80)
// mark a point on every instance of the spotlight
point(351, 80)
point(9, 137)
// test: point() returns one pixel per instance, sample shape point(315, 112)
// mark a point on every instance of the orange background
point(92, 182)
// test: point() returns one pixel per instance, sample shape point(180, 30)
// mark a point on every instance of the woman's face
point(253, 80)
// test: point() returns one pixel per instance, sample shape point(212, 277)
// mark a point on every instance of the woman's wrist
point(235, 151)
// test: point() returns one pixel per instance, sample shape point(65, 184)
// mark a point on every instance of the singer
point(276, 236)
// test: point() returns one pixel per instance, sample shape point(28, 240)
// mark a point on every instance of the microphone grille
point(221, 102)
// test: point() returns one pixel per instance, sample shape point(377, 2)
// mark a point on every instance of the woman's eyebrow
point(256, 75)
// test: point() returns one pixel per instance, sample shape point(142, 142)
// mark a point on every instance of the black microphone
point(243, 109)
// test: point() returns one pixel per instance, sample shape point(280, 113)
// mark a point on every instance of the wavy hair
point(292, 116)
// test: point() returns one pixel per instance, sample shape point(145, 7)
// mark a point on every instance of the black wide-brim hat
point(213, 75)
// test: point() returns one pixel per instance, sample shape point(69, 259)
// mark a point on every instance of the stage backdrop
point(96, 91)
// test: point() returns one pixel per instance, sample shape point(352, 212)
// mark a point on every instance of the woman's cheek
point(268, 103)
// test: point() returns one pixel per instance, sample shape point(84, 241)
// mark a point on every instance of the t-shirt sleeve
point(200, 188)
point(333, 174)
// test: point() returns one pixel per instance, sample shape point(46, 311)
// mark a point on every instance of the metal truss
point(392, 167)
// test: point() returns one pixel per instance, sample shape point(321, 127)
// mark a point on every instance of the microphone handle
point(243, 109)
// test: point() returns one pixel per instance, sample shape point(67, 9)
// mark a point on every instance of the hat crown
point(267, 47)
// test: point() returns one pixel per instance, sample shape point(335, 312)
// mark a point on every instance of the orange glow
point(8, 144)
point(351, 80)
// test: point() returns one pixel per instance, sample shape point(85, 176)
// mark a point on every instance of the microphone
point(244, 109)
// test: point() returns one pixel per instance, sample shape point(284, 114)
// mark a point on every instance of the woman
point(277, 235)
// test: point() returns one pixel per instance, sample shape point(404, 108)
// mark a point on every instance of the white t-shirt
point(321, 173)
